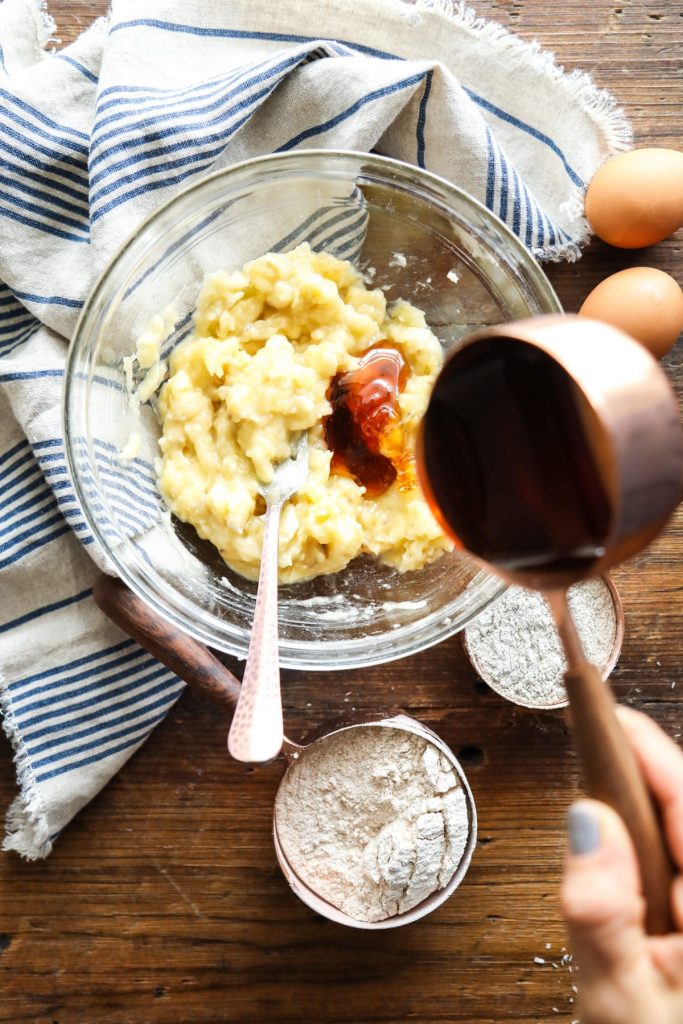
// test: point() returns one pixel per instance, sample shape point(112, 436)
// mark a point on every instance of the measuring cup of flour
point(516, 649)
point(374, 822)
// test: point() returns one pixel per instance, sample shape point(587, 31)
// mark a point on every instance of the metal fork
point(256, 732)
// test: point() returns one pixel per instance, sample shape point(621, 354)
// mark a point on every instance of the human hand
point(626, 976)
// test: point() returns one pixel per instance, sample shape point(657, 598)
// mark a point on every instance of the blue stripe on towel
point(7, 378)
point(80, 209)
point(133, 100)
point(33, 223)
point(528, 236)
point(540, 234)
point(516, 203)
point(103, 753)
point(229, 33)
point(175, 103)
point(87, 659)
point(91, 691)
point(48, 518)
point(490, 170)
point(421, 120)
point(165, 128)
point(271, 37)
point(28, 197)
point(80, 224)
point(120, 688)
point(94, 722)
point(28, 549)
point(27, 512)
point(9, 341)
point(504, 190)
point(59, 129)
point(56, 300)
point(24, 457)
point(114, 487)
point(539, 230)
point(299, 233)
point(54, 155)
point(145, 469)
point(19, 446)
point(528, 130)
point(58, 676)
point(11, 315)
point(129, 488)
point(33, 133)
point(18, 375)
point(8, 484)
point(45, 610)
point(81, 68)
point(36, 513)
point(171, 124)
point(51, 168)
point(193, 162)
point(332, 122)
point(34, 491)
point(34, 509)
point(226, 33)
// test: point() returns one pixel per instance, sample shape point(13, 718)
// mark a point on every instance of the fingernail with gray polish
point(584, 831)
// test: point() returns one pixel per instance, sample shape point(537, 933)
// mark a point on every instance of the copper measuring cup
point(201, 670)
point(614, 421)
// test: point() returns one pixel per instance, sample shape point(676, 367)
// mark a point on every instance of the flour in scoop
point(373, 820)
point(515, 647)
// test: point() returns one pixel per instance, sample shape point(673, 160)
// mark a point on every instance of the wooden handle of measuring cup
point(613, 776)
point(186, 657)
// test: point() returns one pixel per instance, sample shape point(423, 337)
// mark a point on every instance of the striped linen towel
point(93, 139)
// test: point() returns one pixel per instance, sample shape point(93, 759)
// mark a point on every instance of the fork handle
point(256, 732)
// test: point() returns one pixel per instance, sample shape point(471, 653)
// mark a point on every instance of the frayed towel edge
point(27, 828)
point(599, 104)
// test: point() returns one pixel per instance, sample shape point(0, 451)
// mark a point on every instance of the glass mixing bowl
point(414, 235)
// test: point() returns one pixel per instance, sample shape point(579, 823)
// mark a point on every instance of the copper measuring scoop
point(551, 450)
point(201, 670)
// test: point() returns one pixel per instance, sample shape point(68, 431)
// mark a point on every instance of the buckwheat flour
point(374, 820)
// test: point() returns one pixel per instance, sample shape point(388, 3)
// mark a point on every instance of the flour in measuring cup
point(373, 820)
point(515, 646)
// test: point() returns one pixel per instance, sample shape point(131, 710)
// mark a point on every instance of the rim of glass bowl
point(203, 625)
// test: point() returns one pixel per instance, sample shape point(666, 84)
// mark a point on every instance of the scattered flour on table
point(515, 645)
point(373, 820)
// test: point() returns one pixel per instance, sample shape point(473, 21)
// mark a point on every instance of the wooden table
point(162, 902)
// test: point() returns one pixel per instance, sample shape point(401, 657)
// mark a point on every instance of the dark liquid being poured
point(510, 457)
point(364, 431)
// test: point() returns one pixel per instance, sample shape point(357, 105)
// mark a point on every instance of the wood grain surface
point(163, 904)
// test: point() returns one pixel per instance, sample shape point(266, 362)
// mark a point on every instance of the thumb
point(601, 897)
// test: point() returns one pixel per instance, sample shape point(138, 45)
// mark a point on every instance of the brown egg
point(644, 302)
point(636, 198)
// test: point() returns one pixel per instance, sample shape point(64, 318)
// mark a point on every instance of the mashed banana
point(267, 341)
